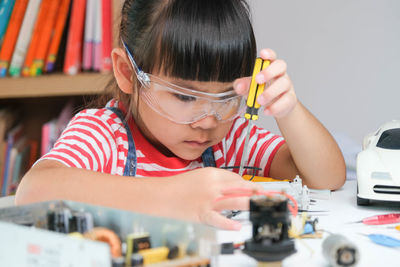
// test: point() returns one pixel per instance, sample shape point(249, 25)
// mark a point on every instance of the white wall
point(343, 57)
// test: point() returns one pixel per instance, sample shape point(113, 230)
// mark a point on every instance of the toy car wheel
point(362, 201)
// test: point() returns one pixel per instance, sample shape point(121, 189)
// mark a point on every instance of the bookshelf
point(40, 99)
point(34, 101)
point(53, 85)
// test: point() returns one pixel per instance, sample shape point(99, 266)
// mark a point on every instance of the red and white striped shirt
point(96, 139)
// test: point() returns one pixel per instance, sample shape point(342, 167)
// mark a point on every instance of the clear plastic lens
point(181, 106)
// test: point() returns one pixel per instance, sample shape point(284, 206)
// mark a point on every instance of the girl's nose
point(208, 122)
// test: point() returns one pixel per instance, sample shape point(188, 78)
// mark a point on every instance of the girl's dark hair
point(204, 40)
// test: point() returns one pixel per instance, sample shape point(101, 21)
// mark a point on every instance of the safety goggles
point(184, 105)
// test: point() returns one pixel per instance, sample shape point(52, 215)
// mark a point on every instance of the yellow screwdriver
point(252, 106)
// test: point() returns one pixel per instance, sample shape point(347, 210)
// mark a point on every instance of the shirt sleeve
point(262, 147)
point(88, 142)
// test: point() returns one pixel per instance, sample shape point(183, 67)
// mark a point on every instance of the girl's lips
point(197, 143)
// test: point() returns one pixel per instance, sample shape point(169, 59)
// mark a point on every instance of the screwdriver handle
point(382, 219)
point(255, 90)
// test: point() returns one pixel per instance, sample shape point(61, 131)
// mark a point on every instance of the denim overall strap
point(130, 166)
point(208, 158)
point(131, 160)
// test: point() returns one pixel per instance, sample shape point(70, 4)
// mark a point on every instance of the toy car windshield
point(390, 139)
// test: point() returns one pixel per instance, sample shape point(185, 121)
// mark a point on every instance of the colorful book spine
point(12, 138)
point(20, 167)
point(73, 54)
point(6, 7)
point(97, 50)
point(37, 32)
point(58, 31)
point(24, 38)
point(44, 39)
point(33, 153)
point(11, 35)
point(15, 150)
point(87, 61)
point(106, 63)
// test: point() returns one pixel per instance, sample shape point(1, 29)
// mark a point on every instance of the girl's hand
point(194, 195)
point(279, 97)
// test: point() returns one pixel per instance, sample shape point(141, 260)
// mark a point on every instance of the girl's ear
point(122, 70)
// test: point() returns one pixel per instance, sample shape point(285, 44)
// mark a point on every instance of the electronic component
point(63, 220)
point(136, 242)
point(108, 236)
point(270, 241)
point(58, 220)
point(155, 255)
point(339, 251)
point(294, 188)
point(81, 222)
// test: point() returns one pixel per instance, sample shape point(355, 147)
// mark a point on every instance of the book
point(35, 40)
point(59, 28)
point(46, 137)
point(12, 137)
point(97, 50)
point(33, 153)
point(11, 35)
point(20, 166)
point(7, 121)
point(15, 150)
point(6, 7)
point(87, 61)
point(44, 38)
point(52, 129)
point(24, 38)
point(73, 54)
point(106, 40)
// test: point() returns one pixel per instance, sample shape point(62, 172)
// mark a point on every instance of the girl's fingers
point(277, 88)
point(243, 187)
point(242, 85)
point(282, 106)
point(232, 202)
point(273, 71)
point(268, 54)
point(217, 220)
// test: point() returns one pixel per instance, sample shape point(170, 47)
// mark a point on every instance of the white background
point(343, 57)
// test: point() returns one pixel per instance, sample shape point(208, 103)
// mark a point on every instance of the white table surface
point(342, 209)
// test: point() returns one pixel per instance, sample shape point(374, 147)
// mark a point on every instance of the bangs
point(202, 40)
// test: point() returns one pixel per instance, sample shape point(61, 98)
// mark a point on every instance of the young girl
point(175, 119)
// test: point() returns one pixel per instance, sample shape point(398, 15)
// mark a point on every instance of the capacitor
point(58, 220)
point(81, 222)
point(339, 251)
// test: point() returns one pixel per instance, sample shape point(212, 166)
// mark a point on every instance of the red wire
point(249, 192)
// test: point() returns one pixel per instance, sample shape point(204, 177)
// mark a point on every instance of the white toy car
point(378, 165)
